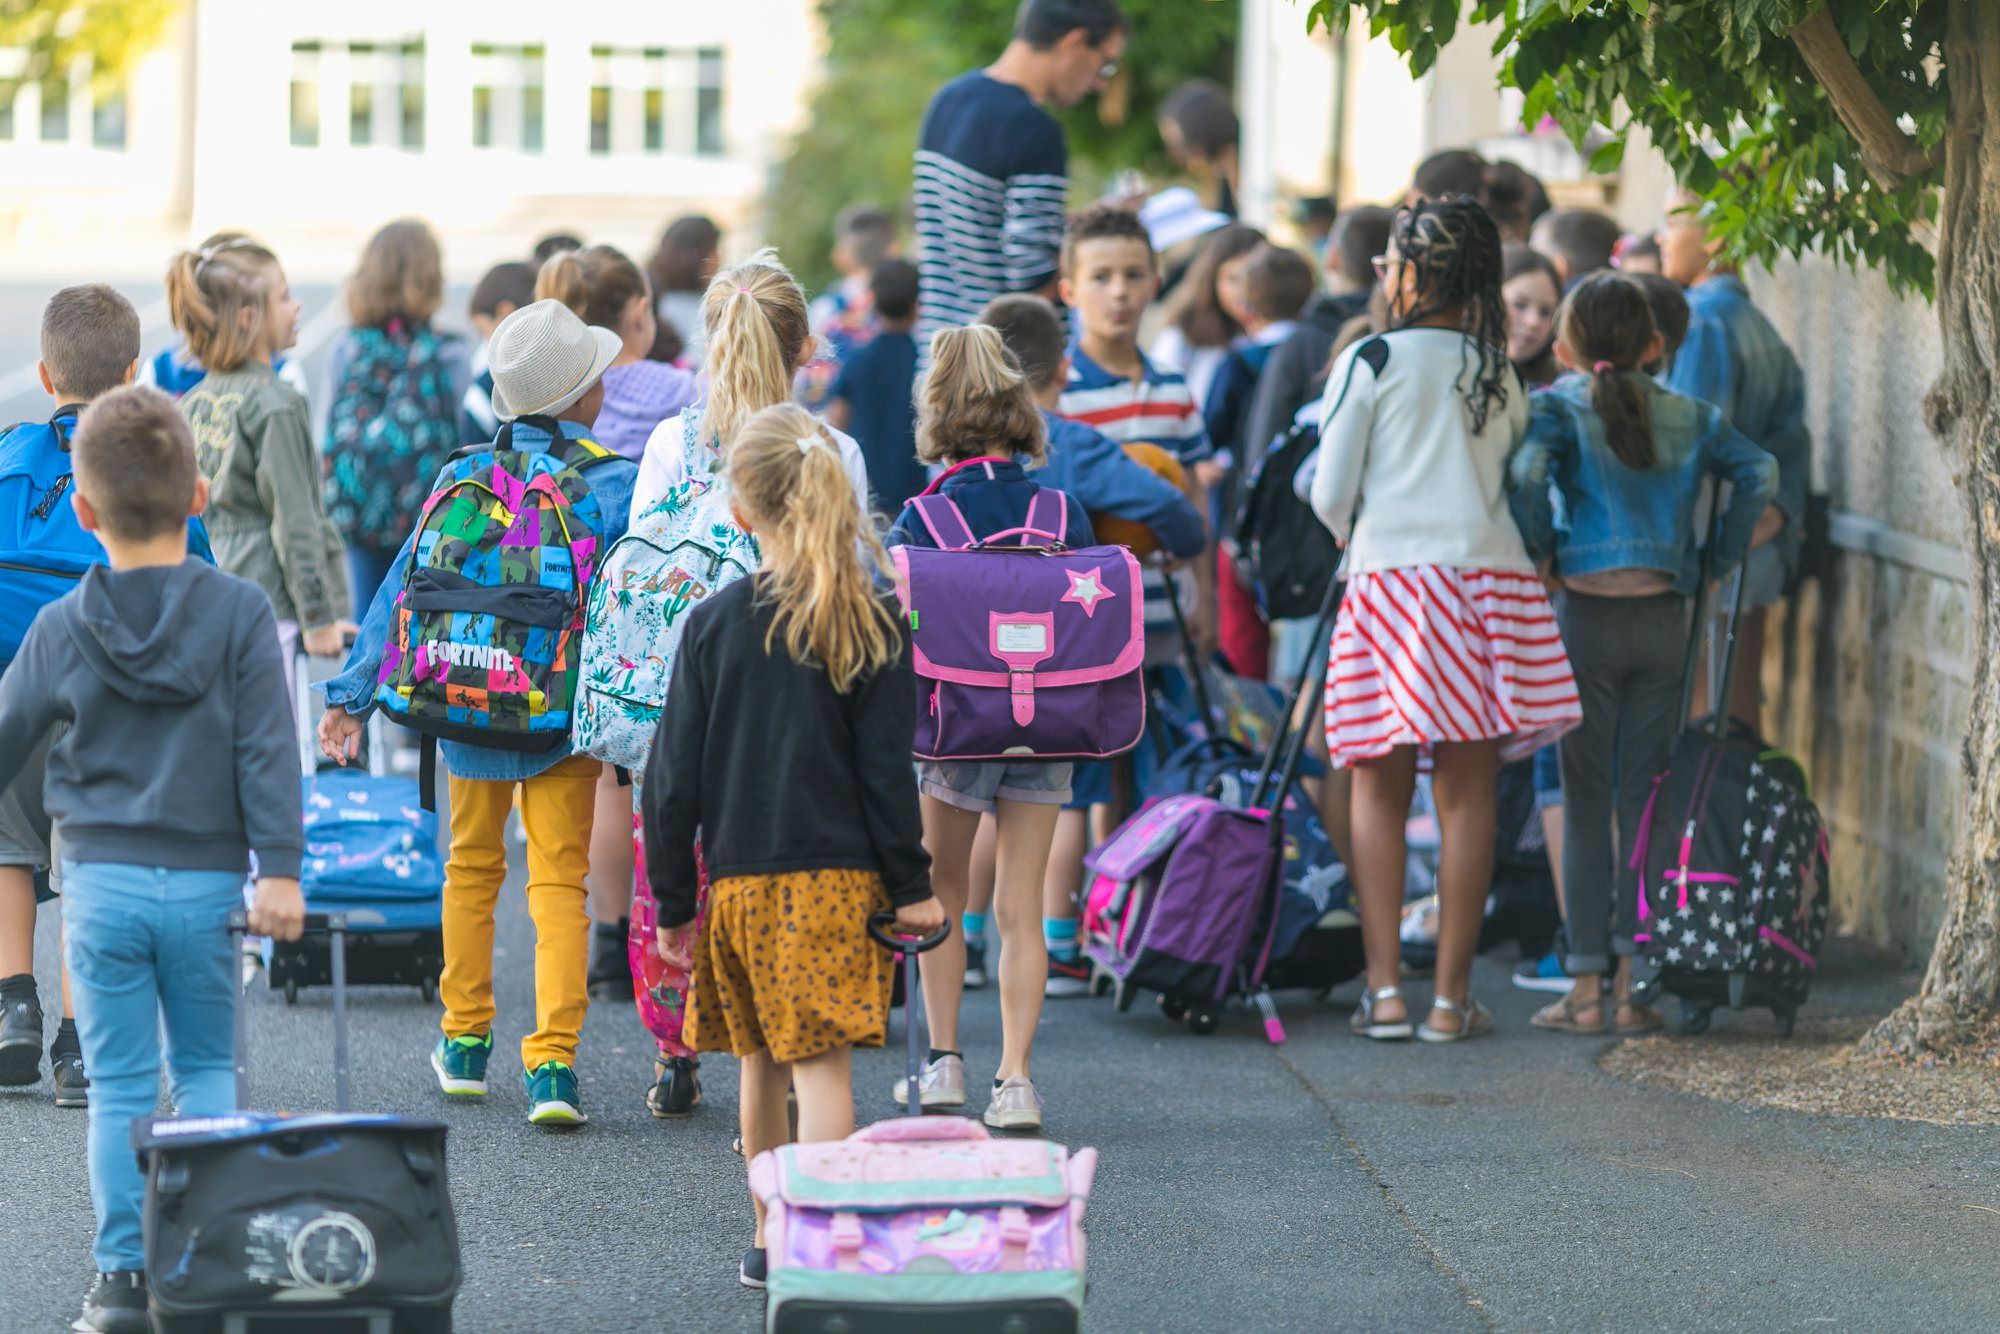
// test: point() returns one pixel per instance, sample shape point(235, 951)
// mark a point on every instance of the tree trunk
point(1962, 986)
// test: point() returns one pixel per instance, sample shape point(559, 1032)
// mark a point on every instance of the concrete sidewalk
point(1330, 1184)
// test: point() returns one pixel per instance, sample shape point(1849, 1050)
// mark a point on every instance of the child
point(176, 370)
point(393, 390)
point(1631, 460)
point(1277, 284)
point(1531, 286)
point(1578, 240)
point(680, 270)
point(159, 666)
point(1445, 646)
point(1104, 479)
point(845, 317)
point(979, 421)
point(503, 290)
point(1670, 318)
point(1636, 254)
point(90, 346)
point(874, 397)
point(253, 442)
point(806, 667)
point(546, 364)
point(606, 289)
point(1201, 324)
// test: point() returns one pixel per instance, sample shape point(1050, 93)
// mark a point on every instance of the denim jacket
point(1621, 518)
point(354, 689)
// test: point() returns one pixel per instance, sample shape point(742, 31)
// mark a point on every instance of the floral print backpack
point(681, 550)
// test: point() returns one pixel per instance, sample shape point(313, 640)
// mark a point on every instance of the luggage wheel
point(1203, 1020)
point(1101, 982)
point(291, 991)
point(1694, 1019)
point(1172, 1008)
point(1739, 983)
point(1787, 1017)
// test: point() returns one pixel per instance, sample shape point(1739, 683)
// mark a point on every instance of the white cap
point(544, 358)
point(1176, 215)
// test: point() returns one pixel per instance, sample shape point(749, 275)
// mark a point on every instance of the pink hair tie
point(1601, 367)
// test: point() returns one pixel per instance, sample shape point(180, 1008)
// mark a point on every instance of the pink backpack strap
point(1036, 511)
point(940, 515)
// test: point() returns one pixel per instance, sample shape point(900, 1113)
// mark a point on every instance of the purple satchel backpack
point(1022, 647)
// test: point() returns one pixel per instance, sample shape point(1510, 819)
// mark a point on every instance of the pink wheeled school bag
point(923, 1223)
point(1023, 647)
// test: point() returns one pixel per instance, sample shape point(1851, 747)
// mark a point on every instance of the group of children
point(737, 893)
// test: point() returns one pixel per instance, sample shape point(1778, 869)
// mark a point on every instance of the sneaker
point(21, 1042)
point(975, 963)
point(677, 1092)
point(72, 1089)
point(116, 1305)
point(1015, 1106)
point(610, 973)
point(1068, 977)
point(753, 1269)
point(460, 1063)
point(1543, 974)
point(942, 1084)
point(552, 1096)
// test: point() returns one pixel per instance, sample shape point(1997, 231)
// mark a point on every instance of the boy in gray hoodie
point(178, 763)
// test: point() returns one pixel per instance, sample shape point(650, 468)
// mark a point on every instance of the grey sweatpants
point(1627, 654)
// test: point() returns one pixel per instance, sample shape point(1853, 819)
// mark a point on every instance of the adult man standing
point(992, 169)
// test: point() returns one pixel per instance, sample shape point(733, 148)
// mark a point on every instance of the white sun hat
point(1176, 215)
point(544, 358)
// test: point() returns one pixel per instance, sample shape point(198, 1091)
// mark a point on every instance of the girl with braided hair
point(1446, 651)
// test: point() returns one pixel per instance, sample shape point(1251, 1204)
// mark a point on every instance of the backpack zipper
point(38, 569)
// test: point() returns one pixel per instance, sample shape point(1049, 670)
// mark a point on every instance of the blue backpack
point(43, 549)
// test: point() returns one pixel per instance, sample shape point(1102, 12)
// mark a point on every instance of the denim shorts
point(1548, 777)
point(976, 785)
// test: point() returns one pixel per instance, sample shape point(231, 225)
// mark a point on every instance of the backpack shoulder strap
point(941, 515)
point(583, 452)
point(1038, 510)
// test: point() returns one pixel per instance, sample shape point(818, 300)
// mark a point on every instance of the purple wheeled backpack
point(1028, 651)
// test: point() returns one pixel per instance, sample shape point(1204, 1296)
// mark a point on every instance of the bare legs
point(1381, 807)
point(1464, 777)
point(609, 881)
point(825, 1086)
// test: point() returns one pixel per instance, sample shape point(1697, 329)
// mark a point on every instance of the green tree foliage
point(111, 34)
point(1746, 113)
point(886, 57)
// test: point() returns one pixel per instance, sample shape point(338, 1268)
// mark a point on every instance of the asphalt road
point(1329, 1184)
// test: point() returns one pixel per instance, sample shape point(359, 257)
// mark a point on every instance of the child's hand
point(328, 640)
point(339, 735)
point(1210, 473)
point(1546, 568)
point(919, 919)
point(677, 946)
point(278, 910)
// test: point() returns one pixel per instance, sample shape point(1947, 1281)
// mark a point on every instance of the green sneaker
point(552, 1096)
point(460, 1063)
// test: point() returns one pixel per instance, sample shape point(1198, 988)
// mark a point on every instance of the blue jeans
point(365, 572)
point(149, 958)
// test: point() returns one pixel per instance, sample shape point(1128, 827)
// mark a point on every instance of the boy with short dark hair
point(162, 669)
point(90, 346)
point(1578, 241)
point(873, 397)
point(505, 289)
point(844, 317)
point(1277, 284)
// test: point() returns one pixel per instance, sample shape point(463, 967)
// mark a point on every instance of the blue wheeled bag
point(257, 1222)
point(371, 855)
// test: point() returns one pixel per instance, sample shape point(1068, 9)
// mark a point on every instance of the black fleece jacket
point(775, 769)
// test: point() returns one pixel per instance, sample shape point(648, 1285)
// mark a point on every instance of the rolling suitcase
point(372, 856)
point(322, 1223)
point(923, 1223)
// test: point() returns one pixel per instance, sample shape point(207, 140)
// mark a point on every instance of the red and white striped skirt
point(1428, 653)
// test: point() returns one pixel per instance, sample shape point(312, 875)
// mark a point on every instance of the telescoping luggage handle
point(1718, 689)
point(334, 925)
point(882, 926)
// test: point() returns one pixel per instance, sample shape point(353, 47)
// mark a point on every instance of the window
point(507, 88)
point(9, 90)
point(656, 100)
point(107, 123)
point(55, 110)
point(385, 94)
point(305, 94)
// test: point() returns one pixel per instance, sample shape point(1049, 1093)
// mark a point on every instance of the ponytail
point(1607, 323)
point(207, 291)
point(786, 474)
point(757, 326)
point(597, 283)
point(976, 402)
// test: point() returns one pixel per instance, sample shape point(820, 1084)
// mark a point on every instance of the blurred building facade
point(497, 114)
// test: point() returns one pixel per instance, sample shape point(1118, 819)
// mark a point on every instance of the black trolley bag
point(1730, 860)
point(332, 1222)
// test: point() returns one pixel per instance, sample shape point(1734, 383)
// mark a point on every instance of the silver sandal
point(1366, 1025)
point(1474, 1021)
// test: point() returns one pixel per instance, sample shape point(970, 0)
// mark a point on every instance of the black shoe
point(610, 973)
point(20, 1042)
point(678, 1091)
point(751, 1275)
point(72, 1089)
point(116, 1305)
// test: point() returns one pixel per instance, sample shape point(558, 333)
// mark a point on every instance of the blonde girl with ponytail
point(253, 440)
point(756, 336)
point(785, 744)
point(977, 418)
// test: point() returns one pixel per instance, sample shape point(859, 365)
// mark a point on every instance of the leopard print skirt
point(785, 963)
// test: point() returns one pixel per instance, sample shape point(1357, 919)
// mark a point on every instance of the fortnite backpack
point(682, 550)
point(484, 638)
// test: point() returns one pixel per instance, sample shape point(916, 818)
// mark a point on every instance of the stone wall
point(1867, 674)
